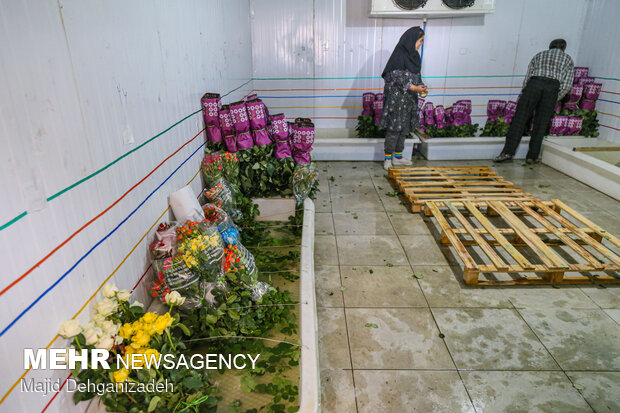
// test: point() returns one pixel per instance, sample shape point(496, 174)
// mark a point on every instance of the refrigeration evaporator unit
point(430, 8)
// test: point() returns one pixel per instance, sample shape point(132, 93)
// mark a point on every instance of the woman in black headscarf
point(403, 82)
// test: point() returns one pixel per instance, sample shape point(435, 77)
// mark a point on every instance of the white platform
point(449, 149)
point(604, 176)
point(355, 149)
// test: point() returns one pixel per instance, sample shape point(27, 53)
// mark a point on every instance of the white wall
point(599, 51)
point(336, 39)
point(84, 82)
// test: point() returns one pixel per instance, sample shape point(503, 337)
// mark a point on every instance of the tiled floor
point(399, 331)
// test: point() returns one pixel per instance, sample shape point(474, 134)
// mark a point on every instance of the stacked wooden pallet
point(511, 232)
point(474, 183)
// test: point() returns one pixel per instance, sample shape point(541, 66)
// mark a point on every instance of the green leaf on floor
point(371, 271)
point(332, 293)
point(389, 264)
point(373, 325)
point(343, 288)
point(441, 335)
point(380, 188)
point(355, 167)
point(418, 276)
point(544, 186)
point(578, 386)
point(434, 270)
point(393, 194)
point(331, 178)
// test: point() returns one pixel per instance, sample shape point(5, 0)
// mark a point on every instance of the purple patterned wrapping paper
point(574, 96)
point(280, 133)
point(580, 72)
point(495, 108)
point(367, 101)
point(459, 113)
point(429, 113)
point(509, 111)
point(210, 112)
point(303, 138)
point(377, 107)
point(258, 123)
point(573, 125)
point(591, 91)
point(467, 104)
point(440, 114)
point(228, 129)
point(253, 96)
point(586, 80)
point(449, 116)
point(241, 122)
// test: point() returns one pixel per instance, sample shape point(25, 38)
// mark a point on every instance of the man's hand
point(418, 88)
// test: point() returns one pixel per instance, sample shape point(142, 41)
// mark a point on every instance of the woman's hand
point(418, 88)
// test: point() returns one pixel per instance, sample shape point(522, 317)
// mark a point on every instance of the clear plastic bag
point(304, 179)
point(165, 242)
point(174, 275)
point(221, 194)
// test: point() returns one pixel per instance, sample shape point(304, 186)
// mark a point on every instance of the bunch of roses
point(164, 243)
point(102, 331)
point(188, 230)
point(232, 261)
point(193, 251)
point(212, 167)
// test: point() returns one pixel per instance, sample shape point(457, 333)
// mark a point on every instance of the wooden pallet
point(479, 183)
point(548, 239)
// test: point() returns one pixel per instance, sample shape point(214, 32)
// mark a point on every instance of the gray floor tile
point(443, 287)
point(548, 297)
point(356, 202)
point(370, 250)
point(410, 391)
point(523, 391)
point(325, 252)
point(327, 286)
point(323, 223)
point(608, 297)
point(403, 339)
point(577, 339)
point(491, 339)
point(422, 250)
point(381, 286)
point(333, 343)
point(362, 223)
point(337, 391)
point(600, 389)
point(406, 223)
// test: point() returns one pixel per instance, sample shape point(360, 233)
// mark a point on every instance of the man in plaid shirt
point(549, 77)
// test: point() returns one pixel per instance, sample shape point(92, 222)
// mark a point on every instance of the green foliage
point(496, 128)
point(590, 122)
point(367, 128)
point(462, 131)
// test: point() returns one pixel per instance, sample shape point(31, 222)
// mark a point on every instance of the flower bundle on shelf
point(228, 130)
point(241, 122)
point(453, 121)
point(216, 166)
point(258, 122)
point(280, 133)
point(304, 179)
point(137, 340)
point(302, 140)
point(210, 111)
point(221, 194)
point(165, 241)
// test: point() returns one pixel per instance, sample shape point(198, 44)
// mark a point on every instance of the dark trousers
point(540, 94)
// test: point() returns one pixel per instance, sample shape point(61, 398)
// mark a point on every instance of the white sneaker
point(387, 164)
point(401, 162)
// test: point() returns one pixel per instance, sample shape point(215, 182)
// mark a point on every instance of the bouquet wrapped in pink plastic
point(258, 122)
point(367, 104)
point(573, 125)
point(586, 80)
point(495, 108)
point(280, 133)
point(580, 72)
point(574, 96)
point(228, 129)
point(210, 112)
point(377, 107)
point(429, 113)
point(303, 138)
point(590, 95)
point(509, 111)
point(449, 116)
point(467, 109)
point(241, 123)
point(440, 114)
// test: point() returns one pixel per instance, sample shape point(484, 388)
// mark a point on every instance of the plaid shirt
point(554, 64)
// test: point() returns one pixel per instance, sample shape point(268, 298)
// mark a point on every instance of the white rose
point(123, 295)
point(92, 335)
point(99, 319)
point(137, 304)
point(109, 290)
point(70, 328)
point(174, 298)
point(108, 327)
point(106, 342)
point(106, 307)
point(118, 340)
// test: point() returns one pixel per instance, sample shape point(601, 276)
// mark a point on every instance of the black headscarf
point(405, 56)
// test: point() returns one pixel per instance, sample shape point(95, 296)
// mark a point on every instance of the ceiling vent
point(430, 8)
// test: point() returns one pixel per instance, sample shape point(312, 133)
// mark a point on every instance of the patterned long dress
point(400, 106)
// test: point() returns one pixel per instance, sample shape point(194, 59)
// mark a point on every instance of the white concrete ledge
point(445, 149)
point(355, 149)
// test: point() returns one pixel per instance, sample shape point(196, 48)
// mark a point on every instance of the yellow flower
point(149, 329)
point(163, 322)
point(148, 318)
point(140, 339)
point(121, 375)
point(126, 331)
point(151, 355)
